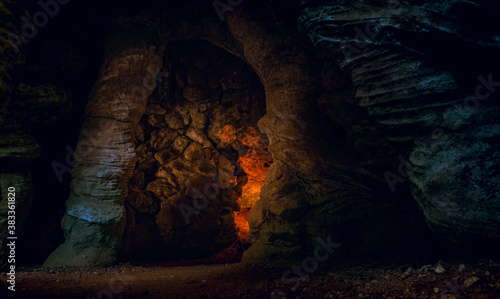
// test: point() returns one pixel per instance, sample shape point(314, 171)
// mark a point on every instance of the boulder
point(456, 182)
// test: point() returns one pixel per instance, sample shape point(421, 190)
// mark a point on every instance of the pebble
point(470, 281)
point(439, 269)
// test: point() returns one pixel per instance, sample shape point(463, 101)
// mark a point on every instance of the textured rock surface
point(370, 76)
point(316, 186)
point(36, 103)
point(10, 12)
point(17, 146)
point(104, 157)
point(458, 173)
point(410, 64)
point(27, 101)
point(22, 106)
point(352, 90)
point(187, 184)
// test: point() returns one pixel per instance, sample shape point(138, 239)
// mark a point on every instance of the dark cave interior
point(161, 133)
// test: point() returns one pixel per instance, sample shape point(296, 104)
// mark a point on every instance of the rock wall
point(369, 108)
point(419, 76)
point(25, 103)
point(105, 158)
point(187, 184)
point(337, 116)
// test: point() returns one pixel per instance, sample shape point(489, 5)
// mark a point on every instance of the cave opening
point(201, 158)
point(348, 147)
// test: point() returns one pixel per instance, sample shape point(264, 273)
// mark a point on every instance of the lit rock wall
point(104, 158)
point(352, 90)
point(187, 185)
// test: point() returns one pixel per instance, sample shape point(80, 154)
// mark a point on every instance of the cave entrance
point(201, 159)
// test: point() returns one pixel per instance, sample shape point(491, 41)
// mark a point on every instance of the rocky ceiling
point(373, 122)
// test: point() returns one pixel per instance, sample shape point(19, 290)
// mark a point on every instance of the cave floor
point(368, 279)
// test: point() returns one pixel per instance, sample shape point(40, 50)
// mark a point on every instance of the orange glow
point(241, 221)
point(255, 162)
point(227, 134)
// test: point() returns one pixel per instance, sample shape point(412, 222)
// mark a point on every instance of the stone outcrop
point(338, 114)
point(458, 172)
point(10, 12)
point(371, 111)
point(104, 158)
point(25, 103)
point(186, 188)
point(412, 101)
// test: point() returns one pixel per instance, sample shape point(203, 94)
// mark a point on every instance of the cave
point(205, 155)
point(141, 142)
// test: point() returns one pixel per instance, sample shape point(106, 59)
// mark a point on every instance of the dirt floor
point(368, 279)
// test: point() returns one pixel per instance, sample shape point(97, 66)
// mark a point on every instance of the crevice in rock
point(197, 146)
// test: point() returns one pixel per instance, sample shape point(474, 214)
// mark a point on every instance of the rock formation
point(187, 183)
point(365, 117)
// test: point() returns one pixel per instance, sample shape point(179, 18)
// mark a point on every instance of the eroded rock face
point(104, 157)
point(9, 14)
point(398, 99)
point(337, 117)
point(341, 107)
point(456, 181)
point(187, 184)
point(25, 103)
